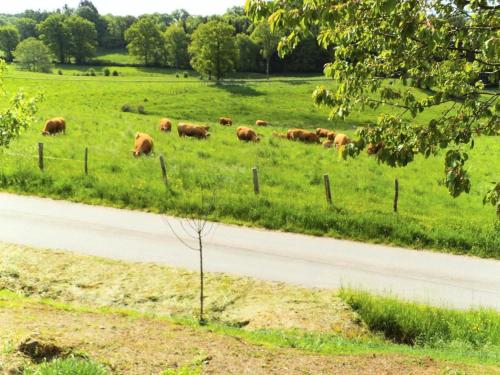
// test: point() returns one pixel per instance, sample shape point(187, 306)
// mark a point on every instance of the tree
point(54, 32)
point(145, 40)
point(33, 55)
point(16, 116)
point(449, 48)
point(176, 46)
point(82, 38)
point(27, 28)
point(268, 42)
point(249, 54)
point(214, 49)
point(197, 229)
point(9, 38)
point(86, 9)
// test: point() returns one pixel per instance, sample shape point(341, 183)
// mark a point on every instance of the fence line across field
point(163, 166)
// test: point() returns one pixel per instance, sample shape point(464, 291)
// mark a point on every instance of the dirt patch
point(150, 346)
point(39, 350)
point(238, 301)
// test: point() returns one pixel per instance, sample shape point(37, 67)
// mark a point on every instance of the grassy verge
point(425, 326)
point(274, 315)
point(67, 366)
point(291, 174)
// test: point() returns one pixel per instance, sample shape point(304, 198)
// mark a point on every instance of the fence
point(42, 157)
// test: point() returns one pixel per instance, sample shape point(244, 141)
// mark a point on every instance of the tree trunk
point(202, 297)
point(268, 60)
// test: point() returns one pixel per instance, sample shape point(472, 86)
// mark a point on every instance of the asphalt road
point(434, 278)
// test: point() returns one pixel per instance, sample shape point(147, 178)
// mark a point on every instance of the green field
point(291, 174)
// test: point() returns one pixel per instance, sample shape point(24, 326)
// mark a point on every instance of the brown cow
point(226, 121)
point(196, 131)
point(54, 126)
point(261, 123)
point(341, 140)
point(247, 134)
point(328, 144)
point(165, 125)
point(322, 133)
point(331, 136)
point(302, 135)
point(143, 144)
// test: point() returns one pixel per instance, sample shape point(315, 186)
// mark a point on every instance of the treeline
point(73, 35)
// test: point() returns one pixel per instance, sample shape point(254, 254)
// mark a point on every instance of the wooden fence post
point(163, 170)
point(86, 166)
point(256, 187)
point(396, 195)
point(328, 190)
point(40, 156)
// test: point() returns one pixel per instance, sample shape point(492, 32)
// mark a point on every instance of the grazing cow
point(143, 144)
point(247, 134)
point(226, 121)
point(261, 123)
point(280, 135)
point(165, 125)
point(341, 140)
point(54, 126)
point(331, 136)
point(196, 131)
point(322, 133)
point(328, 144)
point(302, 135)
point(374, 148)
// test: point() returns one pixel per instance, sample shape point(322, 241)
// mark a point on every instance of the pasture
point(291, 174)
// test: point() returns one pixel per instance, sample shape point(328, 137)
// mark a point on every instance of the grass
point(277, 315)
point(67, 366)
point(292, 195)
point(421, 325)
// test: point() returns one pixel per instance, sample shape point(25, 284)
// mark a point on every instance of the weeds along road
point(434, 278)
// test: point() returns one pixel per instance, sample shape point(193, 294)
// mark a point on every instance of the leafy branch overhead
point(408, 55)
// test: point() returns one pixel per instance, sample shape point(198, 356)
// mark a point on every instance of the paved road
point(439, 279)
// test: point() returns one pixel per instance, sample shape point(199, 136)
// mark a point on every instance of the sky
point(126, 7)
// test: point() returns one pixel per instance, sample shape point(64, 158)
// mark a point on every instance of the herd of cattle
point(144, 142)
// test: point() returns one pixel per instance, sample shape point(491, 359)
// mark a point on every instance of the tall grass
point(421, 325)
point(292, 193)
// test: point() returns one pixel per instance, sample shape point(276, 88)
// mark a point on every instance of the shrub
point(176, 75)
point(91, 72)
point(126, 108)
point(186, 74)
point(107, 72)
point(115, 73)
point(141, 110)
point(60, 72)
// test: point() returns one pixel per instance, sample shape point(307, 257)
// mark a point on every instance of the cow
point(143, 144)
point(196, 131)
point(261, 123)
point(341, 140)
point(165, 125)
point(302, 135)
point(54, 126)
point(322, 133)
point(226, 121)
point(247, 134)
point(331, 136)
point(327, 144)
